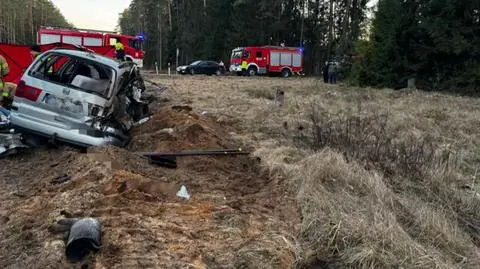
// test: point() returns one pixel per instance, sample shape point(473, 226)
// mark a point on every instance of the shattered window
point(82, 74)
point(92, 77)
point(50, 66)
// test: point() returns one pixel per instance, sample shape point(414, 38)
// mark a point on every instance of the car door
point(212, 67)
point(202, 68)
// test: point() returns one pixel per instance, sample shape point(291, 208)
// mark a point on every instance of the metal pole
point(196, 153)
point(178, 52)
point(168, 68)
point(156, 67)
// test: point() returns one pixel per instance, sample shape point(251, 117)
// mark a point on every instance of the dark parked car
point(200, 67)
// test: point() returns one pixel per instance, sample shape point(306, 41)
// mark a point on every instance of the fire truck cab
point(94, 40)
point(267, 60)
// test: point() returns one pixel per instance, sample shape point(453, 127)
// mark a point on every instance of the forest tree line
point(436, 42)
point(210, 29)
point(20, 20)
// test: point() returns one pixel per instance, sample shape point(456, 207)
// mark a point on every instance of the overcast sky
point(99, 14)
point(92, 14)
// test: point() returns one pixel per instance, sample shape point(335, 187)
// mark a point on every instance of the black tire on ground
point(286, 73)
point(252, 71)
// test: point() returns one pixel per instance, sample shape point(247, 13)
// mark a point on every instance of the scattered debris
point(332, 94)
point(183, 193)
point(60, 179)
point(167, 161)
point(11, 143)
point(142, 121)
point(83, 238)
point(160, 88)
point(166, 131)
point(4, 118)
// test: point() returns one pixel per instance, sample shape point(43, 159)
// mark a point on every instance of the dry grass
point(261, 93)
point(382, 178)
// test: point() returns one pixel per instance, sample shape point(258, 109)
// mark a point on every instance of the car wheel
point(218, 73)
point(286, 73)
point(192, 72)
point(252, 71)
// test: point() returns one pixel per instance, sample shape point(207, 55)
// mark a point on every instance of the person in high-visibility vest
point(4, 70)
point(120, 51)
point(244, 68)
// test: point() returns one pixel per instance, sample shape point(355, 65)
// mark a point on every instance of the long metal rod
point(195, 153)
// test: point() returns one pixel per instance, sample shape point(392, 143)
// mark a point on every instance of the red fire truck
point(93, 39)
point(267, 60)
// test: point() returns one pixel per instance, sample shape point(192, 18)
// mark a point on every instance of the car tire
point(286, 73)
point(252, 71)
point(192, 72)
point(218, 73)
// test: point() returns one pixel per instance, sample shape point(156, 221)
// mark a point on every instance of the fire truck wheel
point(286, 73)
point(252, 71)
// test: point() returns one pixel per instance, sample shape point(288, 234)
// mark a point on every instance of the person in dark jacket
point(325, 72)
point(332, 73)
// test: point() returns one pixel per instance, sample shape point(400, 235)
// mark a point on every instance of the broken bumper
point(235, 68)
point(81, 137)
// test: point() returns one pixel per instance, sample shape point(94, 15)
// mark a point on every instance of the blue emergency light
point(141, 36)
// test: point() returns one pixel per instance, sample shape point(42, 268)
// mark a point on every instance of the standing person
point(332, 73)
point(222, 66)
point(120, 51)
point(244, 68)
point(4, 70)
point(325, 72)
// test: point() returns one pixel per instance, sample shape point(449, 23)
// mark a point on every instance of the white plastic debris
point(142, 121)
point(183, 193)
point(166, 131)
point(204, 113)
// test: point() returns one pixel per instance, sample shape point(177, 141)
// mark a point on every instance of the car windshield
point(196, 63)
point(237, 54)
point(135, 43)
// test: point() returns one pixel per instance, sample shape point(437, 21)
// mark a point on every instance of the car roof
point(89, 56)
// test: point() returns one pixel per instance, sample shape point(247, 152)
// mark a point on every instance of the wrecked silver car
point(79, 97)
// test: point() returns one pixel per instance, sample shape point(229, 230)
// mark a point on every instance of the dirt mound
point(178, 128)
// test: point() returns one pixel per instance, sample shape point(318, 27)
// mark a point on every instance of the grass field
point(382, 178)
point(339, 177)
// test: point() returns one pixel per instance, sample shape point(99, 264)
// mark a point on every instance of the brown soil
point(237, 217)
